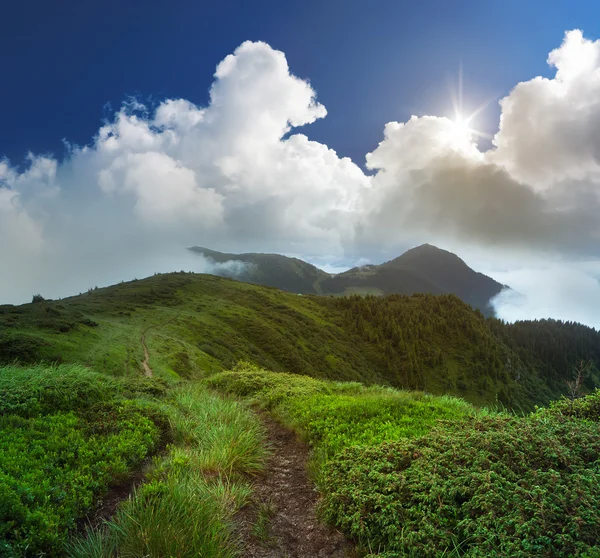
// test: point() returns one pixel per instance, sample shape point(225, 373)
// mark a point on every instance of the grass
point(66, 434)
point(332, 416)
point(406, 474)
point(186, 507)
point(202, 324)
point(262, 527)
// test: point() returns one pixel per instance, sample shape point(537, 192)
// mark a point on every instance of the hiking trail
point(284, 504)
point(146, 362)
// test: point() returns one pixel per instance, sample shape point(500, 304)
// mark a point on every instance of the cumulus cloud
point(237, 175)
point(155, 181)
point(538, 187)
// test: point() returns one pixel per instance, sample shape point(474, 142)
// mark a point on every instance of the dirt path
point(281, 520)
point(146, 362)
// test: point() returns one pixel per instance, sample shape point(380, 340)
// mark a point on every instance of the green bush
point(336, 415)
point(587, 407)
point(52, 470)
point(368, 417)
point(488, 486)
point(20, 348)
point(267, 388)
point(46, 389)
point(66, 434)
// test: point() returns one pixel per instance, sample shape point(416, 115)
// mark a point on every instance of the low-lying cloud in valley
point(236, 176)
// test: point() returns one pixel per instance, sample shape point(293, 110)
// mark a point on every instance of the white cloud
point(570, 293)
point(550, 128)
point(233, 175)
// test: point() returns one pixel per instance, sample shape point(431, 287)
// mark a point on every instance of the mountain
point(193, 325)
point(271, 270)
point(424, 269)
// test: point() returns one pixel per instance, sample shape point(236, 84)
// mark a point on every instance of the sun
point(460, 133)
point(460, 128)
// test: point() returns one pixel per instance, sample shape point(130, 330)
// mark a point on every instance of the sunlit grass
point(186, 507)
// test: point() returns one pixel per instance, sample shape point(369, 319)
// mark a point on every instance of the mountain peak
point(423, 269)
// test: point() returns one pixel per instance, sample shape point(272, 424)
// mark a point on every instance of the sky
point(336, 131)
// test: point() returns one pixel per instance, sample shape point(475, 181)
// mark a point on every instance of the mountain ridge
point(423, 269)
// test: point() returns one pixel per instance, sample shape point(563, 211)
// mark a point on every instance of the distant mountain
point(424, 269)
point(272, 270)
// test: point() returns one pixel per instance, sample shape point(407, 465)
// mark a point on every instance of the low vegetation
point(200, 324)
point(186, 506)
point(66, 435)
point(402, 482)
point(404, 466)
point(334, 415)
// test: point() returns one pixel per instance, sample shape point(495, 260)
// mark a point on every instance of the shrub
point(490, 486)
point(267, 388)
point(52, 469)
point(20, 348)
point(587, 407)
point(66, 434)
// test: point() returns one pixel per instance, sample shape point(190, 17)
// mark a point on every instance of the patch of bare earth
point(281, 520)
point(146, 361)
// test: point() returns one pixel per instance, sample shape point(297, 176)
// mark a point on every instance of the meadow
point(405, 403)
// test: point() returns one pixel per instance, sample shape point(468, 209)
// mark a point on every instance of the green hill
point(425, 269)
point(73, 433)
point(198, 324)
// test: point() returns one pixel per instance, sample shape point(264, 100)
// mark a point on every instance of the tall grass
point(186, 507)
point(332, 416)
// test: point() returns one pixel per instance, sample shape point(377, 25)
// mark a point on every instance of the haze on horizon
point(241, 173)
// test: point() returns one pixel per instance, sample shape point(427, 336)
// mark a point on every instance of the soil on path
point(146, 362)
point(286, 494)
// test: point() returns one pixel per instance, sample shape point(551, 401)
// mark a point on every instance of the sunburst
point(462, 130)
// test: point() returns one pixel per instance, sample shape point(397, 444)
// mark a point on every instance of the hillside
point(144, 441)
point(424, 269)
point(197, 324)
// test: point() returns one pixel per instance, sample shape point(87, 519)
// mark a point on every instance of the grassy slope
point(68, 434)
point(196, 325)
point(402, 483)
point(201, 324)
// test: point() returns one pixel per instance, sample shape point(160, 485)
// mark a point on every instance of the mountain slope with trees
point(424, 269)
point(197, 324)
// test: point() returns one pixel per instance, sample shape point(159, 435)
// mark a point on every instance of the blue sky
point(65, 64)
point(287, 127)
